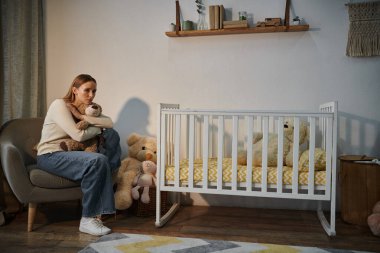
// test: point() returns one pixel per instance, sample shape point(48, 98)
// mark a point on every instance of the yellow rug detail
point(142, 247)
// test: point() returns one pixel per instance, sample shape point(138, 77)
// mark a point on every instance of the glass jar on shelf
point(201, 23)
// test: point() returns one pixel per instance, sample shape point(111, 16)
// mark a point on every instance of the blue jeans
point(92, 170)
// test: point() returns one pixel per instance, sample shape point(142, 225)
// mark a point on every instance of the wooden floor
point(56, 228)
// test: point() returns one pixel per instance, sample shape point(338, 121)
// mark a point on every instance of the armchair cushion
point(44, 179)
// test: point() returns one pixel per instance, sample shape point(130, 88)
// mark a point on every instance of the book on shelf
point(235, 24)
point(216, 16)
point(211, 14)
point(221, 16)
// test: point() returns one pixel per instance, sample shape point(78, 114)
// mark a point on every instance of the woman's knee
point(99, 162)
point(100, 158)
point(110, 133)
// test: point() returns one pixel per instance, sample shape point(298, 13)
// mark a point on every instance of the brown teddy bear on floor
point(90, 145)
point(374, 219)
point(140, 148)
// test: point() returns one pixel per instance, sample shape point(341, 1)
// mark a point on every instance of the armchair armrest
point(15, 172)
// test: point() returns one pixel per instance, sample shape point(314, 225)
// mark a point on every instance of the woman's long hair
point(78, 81)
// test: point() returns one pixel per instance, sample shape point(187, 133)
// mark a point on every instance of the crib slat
point(166, 140)
point(329, 130)
point(264, 163)
point(249, 152)
point(323, 129)
point(205, 151)
point(198, 136)
point(162, 146)
point(280, 153)
point(234, 151)
point(220, 152)
point(176, 148)
point(296, 137)
point(171, 139)
point(311, 156)
point(191, 151)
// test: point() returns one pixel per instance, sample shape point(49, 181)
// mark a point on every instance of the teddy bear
point(145, 178)
point(94, 110)
point(374, 219)
point(272, 145)
point(319, 160)
point(140, 148)
point(90, 145)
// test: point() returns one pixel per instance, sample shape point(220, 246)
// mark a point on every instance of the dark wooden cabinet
point(360, 188)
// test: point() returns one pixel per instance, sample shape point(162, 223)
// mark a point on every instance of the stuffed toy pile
point(374, 219)
point(272, 145)
point(140, 149)
point(90, 145)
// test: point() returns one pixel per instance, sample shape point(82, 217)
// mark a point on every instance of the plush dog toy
point(90, 145)
point(140, 148)
point(146, 178)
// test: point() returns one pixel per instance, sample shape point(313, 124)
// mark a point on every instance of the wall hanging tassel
point(364, 31)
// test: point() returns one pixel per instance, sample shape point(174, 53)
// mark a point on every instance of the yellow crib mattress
point(319, 176)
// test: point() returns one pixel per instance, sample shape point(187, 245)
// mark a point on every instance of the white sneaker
point(93, 226)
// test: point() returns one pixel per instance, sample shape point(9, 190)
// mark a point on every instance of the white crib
point(188, 137)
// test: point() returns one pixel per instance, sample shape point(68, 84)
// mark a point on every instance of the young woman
point(93, 170)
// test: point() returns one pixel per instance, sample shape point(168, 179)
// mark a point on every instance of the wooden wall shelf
point(270, 29)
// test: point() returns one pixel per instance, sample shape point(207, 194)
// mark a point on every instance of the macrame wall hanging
point(364, 31)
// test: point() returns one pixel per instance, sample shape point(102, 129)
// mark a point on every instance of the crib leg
point(328, 227)
point(160, 221)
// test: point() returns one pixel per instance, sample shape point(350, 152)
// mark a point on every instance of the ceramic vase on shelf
point(201, 24)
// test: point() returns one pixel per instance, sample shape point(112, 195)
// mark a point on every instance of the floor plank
point(56, 228)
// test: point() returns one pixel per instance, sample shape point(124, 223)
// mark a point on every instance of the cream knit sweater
point(59, 124)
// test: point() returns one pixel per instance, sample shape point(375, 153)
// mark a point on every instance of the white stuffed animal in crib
point(272, 145)
point(146, 178)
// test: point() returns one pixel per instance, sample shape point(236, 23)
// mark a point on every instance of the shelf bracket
point(177, 17)
point(287, 10)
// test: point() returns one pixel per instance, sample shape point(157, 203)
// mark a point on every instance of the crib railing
point(200, 134)
point(185, 133)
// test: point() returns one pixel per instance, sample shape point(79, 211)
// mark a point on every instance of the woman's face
point(85, 93)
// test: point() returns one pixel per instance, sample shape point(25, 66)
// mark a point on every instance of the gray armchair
point(18, 159)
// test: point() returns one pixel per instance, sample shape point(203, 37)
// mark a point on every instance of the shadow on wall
point(134, 117)
point(358, 135)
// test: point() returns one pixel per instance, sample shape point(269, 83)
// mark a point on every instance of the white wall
point(123, 45)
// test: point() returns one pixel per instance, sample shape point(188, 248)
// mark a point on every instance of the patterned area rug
point(137, 243)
